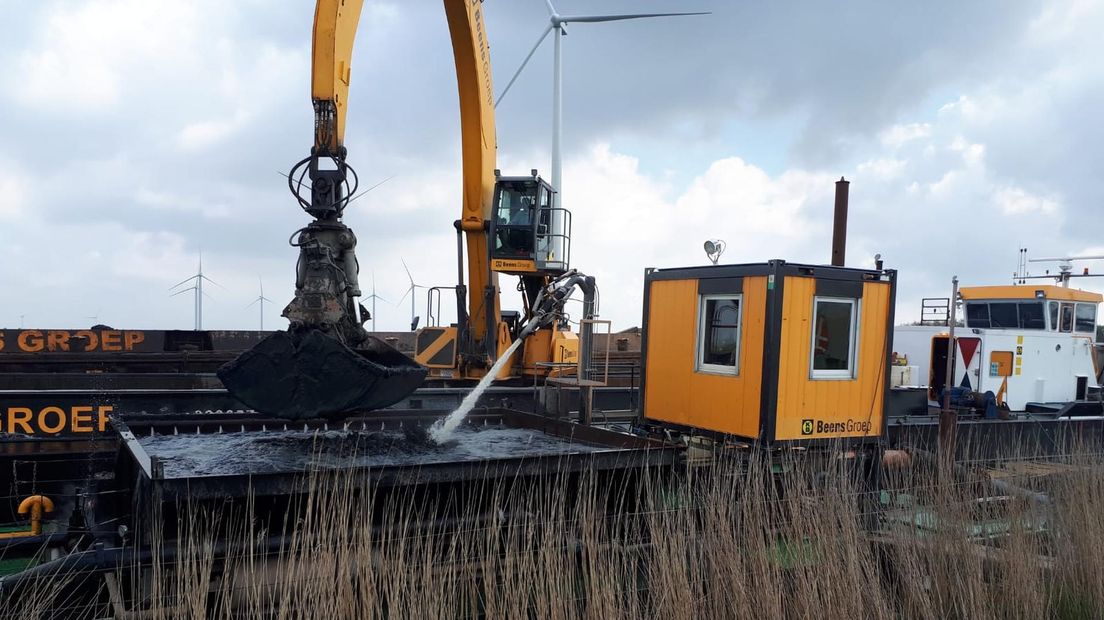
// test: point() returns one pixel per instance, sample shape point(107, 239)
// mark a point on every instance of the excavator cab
point(530, 234)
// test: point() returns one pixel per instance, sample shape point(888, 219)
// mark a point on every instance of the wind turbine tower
point(557, 23)
point(261, 299)
point(374, 297)
point(197, 287)
point(412, 291)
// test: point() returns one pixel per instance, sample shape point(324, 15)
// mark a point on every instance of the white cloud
point(972, 154)
point(159, 117)
point(204, 134)
point(13, 191)
point(165, 201)
point(84, 54)
point(898, 135)
point(885, 167)
point(1016, 201)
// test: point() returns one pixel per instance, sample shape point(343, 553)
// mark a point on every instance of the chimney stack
point(839, 225)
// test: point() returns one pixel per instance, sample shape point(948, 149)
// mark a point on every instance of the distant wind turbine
point(374, 297)
point(557, 22)
point(411, 292)
point(261, 299)
point(197, 286)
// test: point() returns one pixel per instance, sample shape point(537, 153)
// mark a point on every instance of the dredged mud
point(290, 451)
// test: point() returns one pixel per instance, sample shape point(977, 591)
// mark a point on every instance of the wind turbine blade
point(363, 192)
point(408, 291)
point(613, 18)
point(213, 282)
point(183, 290)
point(253, 303)
point(551, 9)
point(184, 281)
point(408, 276)
point(543, 36)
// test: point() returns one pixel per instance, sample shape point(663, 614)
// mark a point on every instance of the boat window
point(1031, 315)
point(1053, 306)
point(1086, 319)
point(719, 334)
point(1066, 323)
point(1003, 315)
point(977, 315)
point(835, 334)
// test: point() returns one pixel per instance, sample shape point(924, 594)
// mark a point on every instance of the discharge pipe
point(549, 304)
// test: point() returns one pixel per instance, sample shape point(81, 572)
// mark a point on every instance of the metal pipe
point(839, 224)
point(586, 345)
point(948, 419)
point(557, 111)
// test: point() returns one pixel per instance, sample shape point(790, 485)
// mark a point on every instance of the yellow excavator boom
point(478, 146)
point(335, 26)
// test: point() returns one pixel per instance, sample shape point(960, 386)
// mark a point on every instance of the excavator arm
point(480, 315)
point(326, 363)
point(481, 334)
point(335, 26)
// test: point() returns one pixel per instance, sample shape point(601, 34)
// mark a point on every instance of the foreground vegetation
point(724, 541)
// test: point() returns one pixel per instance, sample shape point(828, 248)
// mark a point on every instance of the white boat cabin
point(1025, 343)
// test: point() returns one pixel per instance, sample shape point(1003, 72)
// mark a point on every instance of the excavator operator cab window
point(515, 212)
point(530, 234)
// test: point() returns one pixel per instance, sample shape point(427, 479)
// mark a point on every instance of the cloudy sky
point(135, 134)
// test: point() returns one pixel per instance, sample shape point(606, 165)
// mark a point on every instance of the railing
point(935, 311)
point(433, 305)
point(553, 240)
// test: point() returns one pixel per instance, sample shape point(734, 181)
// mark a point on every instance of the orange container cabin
point(768, 352)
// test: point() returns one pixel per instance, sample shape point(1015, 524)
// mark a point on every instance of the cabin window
point(719, 334)
point(1006, 315)
point(1053, 307)
point(1085, 319)
point(1003, 315)
point(977, 315)
point(1031, 315)
point(515, 205)
point(1066, 322)
point(835, 335)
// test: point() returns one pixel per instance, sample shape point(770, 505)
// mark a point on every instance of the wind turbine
point(411, 291)
point(374, 297)
point(197, 286)
point(261, 299)
point(557, 22)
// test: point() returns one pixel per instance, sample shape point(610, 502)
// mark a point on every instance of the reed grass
point(727, 539)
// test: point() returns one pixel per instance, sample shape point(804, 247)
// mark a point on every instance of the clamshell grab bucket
point(300, 375)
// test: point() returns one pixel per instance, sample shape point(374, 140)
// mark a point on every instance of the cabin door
point(968, 363)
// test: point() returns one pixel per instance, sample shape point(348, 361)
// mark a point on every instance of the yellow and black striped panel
point(435, 347)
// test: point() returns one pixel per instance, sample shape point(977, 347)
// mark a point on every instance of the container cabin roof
point(1028, 291)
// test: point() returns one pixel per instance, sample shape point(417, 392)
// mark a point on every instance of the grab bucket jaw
point(307, 374)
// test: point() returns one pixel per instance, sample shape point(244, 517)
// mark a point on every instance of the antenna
point(557, 22)
point(261, 299)
point(197, 287)
point(1065, 268)
point(410, 291)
